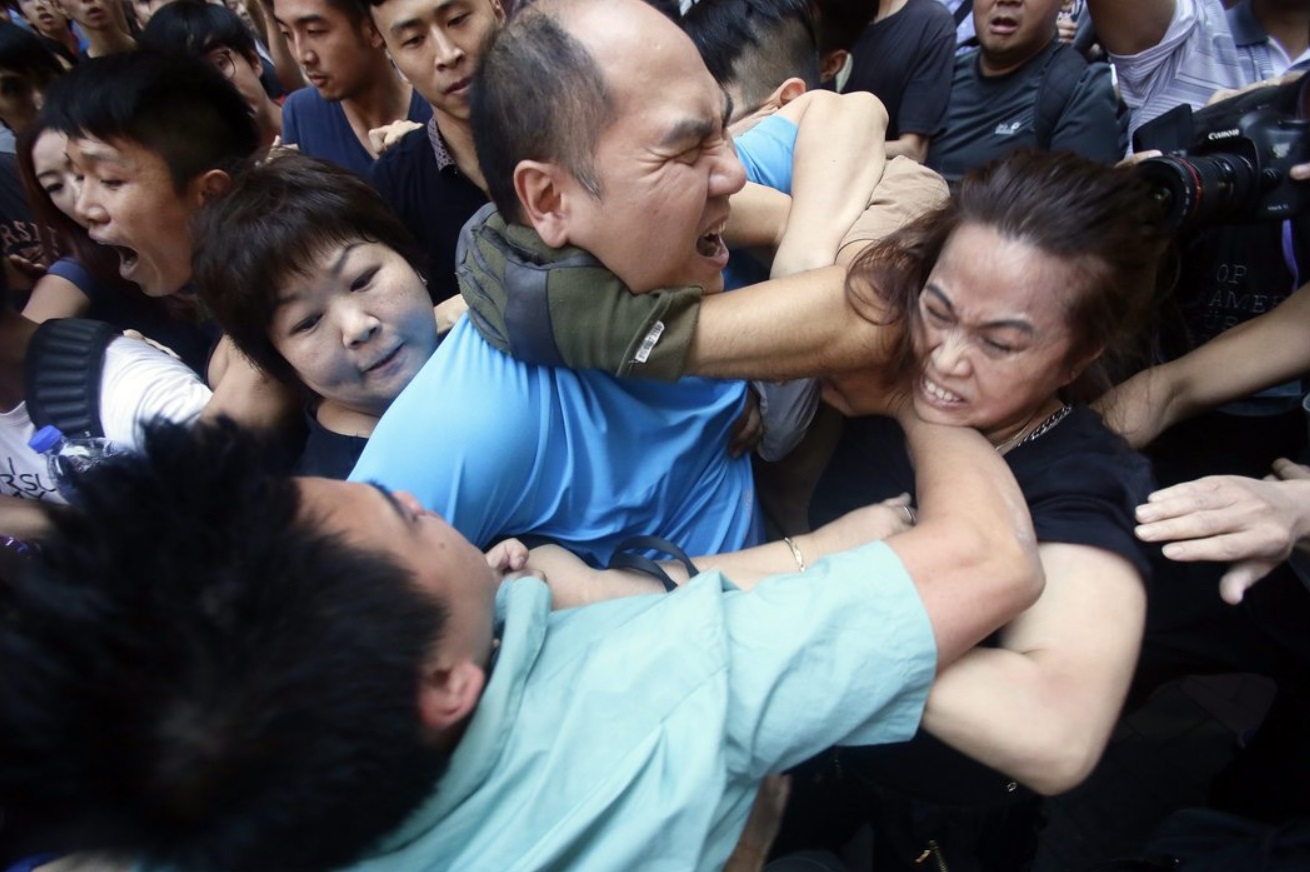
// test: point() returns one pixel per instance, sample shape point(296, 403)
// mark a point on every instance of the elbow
point(1060, 762)
point(868, 105)
point(1011, 560)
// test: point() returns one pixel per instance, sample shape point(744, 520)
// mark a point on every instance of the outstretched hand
point(1252, 524)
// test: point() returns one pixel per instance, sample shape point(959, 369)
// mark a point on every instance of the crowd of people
point(619, 434)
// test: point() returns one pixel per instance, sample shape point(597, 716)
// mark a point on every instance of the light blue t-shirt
point(503, 448)
point(632, 734)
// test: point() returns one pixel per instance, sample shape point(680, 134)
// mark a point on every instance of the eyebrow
point(417, 21)
point(695, 129)
point(334, 272)
point(391, 501)
point(1013, 323)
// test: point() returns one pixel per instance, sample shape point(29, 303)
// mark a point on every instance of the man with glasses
point(216, 34)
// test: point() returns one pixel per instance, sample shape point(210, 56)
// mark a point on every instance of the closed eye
point(363, 280)
point(304, 325)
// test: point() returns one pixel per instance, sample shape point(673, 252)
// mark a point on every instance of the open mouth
point(938, 394)
point(459, 87)
point(711, 245)
point(127, 259)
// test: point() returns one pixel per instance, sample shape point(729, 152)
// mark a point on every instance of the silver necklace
point(1041, 429)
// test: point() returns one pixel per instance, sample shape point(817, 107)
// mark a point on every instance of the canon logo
point(1223, 134)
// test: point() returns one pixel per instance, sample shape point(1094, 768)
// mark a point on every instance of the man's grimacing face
point(665, 165)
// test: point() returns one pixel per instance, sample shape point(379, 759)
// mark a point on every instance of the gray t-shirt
point(992, 116)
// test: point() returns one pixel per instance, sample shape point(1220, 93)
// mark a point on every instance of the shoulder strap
point(61, 385)
point(1060, 77)
point(962, 12)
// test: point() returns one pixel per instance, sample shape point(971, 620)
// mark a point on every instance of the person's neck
point(108, 41)
point(269, 121)
point(458, 135)
point(1286, 25)
point(337, 418)
point(384, 100)
point(888, 8)
point(991, 66)
point(15, 336)
point(1006, 438)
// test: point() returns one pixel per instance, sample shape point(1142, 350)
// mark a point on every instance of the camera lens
point(1202, 190)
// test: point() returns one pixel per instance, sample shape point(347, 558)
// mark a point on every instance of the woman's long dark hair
point(1099, 220)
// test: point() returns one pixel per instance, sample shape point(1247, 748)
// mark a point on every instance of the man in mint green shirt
point(217, 667)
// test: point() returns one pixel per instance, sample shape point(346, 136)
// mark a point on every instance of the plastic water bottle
point(67, 457)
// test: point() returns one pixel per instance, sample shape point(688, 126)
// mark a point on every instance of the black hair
point(1101, 221)
point(277, 217)
point(840, 22)
point(539, 95)
point(23, 52)
point(195, 27)
point(178, 107)
point(755, 44)
point(197, 674)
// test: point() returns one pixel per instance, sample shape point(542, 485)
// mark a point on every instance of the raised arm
point(972, 554)
point(1252, 356)
point(837, 163)
point(1126, 27)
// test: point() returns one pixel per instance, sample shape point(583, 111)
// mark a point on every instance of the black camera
point(1228, 163)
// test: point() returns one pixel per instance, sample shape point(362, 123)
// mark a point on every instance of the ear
point(787, 91)
point(213, 183)
point(447, 696)
point(543, 190)
point(831, 64)
point(499, 9)
point(1078, 367)
point(370, 33)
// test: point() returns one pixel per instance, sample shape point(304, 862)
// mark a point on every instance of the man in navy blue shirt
point(355, 89)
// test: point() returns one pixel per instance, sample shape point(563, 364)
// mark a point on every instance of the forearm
point(758, 217)
point(972, 554)
point(1011, 713)
point(838, 162)
point(911, 145)
point(742, 334)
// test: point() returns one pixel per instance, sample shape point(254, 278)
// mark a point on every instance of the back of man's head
point(840, 23)
point(753, 46)
point(539, 95)
point(178, 107)
point(196, 27)
point(196, 674)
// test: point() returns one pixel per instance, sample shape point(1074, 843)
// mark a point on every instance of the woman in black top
point(1018, 296)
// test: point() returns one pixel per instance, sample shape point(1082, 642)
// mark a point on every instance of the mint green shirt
point(632, 734)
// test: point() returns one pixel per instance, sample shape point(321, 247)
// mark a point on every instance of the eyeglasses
point(224, 61)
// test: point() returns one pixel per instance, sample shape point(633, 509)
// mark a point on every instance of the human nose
point(950, 355)
point(448, 53)
point(357, 326)
point(727, 175)
point(88, 207)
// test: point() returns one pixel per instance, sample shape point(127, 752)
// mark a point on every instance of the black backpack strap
point(1060, 77)
point(626, 556)
point(61, 383)
point(963, 11)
